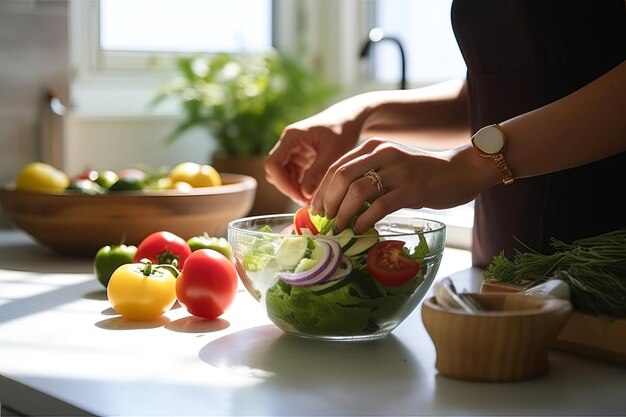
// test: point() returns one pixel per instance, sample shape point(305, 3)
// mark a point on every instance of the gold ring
point(376, 180)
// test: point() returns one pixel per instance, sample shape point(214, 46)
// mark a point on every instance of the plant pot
point(268, 199)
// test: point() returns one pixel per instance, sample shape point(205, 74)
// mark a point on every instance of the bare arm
point(583, 127)
point(433, 117)
point(443, 104)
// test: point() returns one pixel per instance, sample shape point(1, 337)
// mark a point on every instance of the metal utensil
point(554, 287)
point(447, 296)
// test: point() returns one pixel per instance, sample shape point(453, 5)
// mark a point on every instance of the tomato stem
point(151, 269)
point(171, 268)
point(148, 267)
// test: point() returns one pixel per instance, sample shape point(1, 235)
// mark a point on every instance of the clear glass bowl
point(356, 306)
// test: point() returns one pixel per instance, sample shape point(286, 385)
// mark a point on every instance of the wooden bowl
point(72, 223)
point(509, 341)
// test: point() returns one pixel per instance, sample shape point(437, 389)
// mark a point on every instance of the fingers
point(393, 197)
point(390, 177)
point(341, 176)
point(377, 172)
point(358, 193)
point(283, 169)
point(381, 207)
point(326, 154)
point(299, 161)
point(315, 173)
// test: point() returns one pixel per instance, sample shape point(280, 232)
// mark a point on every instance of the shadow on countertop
point(19, 252)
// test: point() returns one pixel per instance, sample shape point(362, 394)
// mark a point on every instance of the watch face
point(489, 140)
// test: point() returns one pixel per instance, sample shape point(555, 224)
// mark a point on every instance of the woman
point(551, 74)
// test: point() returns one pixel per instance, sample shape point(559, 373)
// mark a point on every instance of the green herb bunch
point(244, 100)
point(594, 268)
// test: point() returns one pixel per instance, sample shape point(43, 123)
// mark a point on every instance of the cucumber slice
point(318, 252)
point(291, 251)
point(331, 286)
point(361, 244)
point(344, 237)
point(305, 264)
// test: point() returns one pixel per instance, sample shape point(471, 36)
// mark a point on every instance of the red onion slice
point(342, 272)
point(324, 270)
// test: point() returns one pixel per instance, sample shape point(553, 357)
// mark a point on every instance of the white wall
point(33, 61)
point(117, 142)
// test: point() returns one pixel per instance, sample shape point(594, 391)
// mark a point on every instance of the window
point(185, 25)
point(120, 35)
point(424, 29)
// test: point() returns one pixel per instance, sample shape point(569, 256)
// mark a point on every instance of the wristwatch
point(490, 142)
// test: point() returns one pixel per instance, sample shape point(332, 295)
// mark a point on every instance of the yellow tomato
point(207, 177)
point(141, 291)
point(184, 171)
point(181, 186)
point(196, 175)
point(40, 176)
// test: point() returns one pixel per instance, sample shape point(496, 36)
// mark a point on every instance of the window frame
point(292, 20)
point(335, 31)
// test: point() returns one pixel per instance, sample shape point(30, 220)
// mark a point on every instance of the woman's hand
point(299, 160)
point(306, 149)
point(410, 177)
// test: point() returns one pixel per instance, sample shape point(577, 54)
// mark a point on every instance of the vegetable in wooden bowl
point(75, 223)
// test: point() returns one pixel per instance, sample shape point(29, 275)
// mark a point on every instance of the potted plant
point(244, 101)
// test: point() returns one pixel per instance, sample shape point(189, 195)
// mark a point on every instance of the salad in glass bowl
point(317, 283)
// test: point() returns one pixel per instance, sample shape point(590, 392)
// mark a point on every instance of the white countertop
point(63, 350)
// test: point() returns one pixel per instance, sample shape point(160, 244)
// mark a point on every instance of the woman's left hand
point(392, 176)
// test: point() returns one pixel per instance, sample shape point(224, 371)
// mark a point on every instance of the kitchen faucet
point(376, 35)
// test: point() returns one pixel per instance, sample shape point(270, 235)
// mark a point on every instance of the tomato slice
point(389, 266)
point(302, 222)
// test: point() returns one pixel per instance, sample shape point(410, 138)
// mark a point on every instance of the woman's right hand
point(302, 155)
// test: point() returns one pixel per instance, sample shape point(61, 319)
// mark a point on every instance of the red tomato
point(208, 283)
point(387, 264)
point(88, 174)
point(163, 248)
point(302, 222)
point(132, 173)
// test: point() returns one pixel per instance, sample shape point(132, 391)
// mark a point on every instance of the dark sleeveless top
point(521, 55)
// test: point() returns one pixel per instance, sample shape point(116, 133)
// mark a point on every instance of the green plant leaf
point(244, 101)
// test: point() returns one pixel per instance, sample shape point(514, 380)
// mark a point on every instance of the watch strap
point(507, 175)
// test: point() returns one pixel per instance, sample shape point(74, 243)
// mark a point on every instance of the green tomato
point(86, 187)
point(109, 258)
point(127, 184)
point(205, 241)
point(106, 178)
